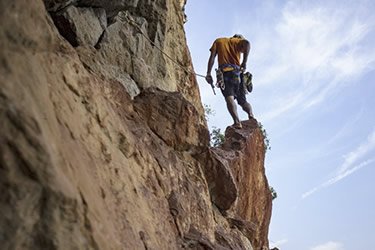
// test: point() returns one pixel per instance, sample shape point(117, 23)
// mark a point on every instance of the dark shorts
point(232, 87)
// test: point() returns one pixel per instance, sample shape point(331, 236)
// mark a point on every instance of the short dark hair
point(238, 36)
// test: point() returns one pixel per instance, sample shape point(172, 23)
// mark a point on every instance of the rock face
point(103, 142)
point(237, 182)
point(81, 26)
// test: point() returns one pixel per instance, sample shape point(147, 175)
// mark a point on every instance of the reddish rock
point(244, 150)
point(237, 182)
point(223, 189)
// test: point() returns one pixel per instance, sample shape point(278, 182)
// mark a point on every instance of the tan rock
point(81, 26)
point(88, 161)
point(171, 117)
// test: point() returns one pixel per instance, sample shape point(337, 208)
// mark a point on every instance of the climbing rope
point(126, 17)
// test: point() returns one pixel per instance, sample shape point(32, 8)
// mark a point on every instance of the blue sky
point(313, 66)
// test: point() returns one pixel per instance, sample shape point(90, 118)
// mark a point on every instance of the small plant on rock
point(265, 135)
point(208, 111)
point(217, 137)
point(273, 193)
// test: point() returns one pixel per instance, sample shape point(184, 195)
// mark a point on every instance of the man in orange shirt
point(229, 55)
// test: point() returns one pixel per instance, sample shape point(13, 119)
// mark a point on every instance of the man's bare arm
point(211, 61)
point(246, 51)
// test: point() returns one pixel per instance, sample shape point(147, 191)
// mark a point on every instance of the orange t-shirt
point(228, 50)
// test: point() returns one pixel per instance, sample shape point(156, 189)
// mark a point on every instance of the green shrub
point(217, 137)
point(208, 111)
point(265, 135)
point(273, 193)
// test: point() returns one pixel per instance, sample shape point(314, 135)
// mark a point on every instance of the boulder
point(81, 26)
point(223, 189)
point(173, 119)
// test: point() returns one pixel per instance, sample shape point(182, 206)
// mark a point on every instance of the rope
point(130, 20)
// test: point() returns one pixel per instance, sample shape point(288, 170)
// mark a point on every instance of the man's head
point(238, 36)
point(244, 43)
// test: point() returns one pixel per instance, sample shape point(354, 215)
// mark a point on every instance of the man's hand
point(209, 79)
point(243, 66)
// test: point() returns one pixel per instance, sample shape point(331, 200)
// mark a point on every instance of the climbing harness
point(244, 78)
point(234, 67)
point(220, 76)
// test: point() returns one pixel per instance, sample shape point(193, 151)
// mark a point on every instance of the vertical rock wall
point(134, 45)
point(237, 182)
point(102, 136)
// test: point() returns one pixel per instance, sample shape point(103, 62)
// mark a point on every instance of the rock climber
point(229, 55)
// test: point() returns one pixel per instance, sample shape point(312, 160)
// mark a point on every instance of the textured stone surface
point(55, 5)
point(81, 26)
point(221, 184)
point(170, 116)
point(237, 183)
point(86, 163)
point(244, 151)
point(140, 48)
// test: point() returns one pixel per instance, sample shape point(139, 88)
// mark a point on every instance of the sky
point(313, 66)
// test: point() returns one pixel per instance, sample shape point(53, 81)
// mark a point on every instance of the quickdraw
point(220, 79)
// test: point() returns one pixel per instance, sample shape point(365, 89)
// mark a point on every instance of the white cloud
point(331, 245)
point(362, 150)
point(346, 168)
point(308, 193)
point(322, 40)
point(348, 172)
point(282, 107)
point(310, 55)
point(338, 177)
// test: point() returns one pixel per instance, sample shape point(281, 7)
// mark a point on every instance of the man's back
point(228, 50)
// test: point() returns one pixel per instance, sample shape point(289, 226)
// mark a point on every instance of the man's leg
point(232, 108)
point(241, 99)
point(247, 108)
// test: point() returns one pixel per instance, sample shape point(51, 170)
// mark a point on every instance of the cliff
point(103, 141)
